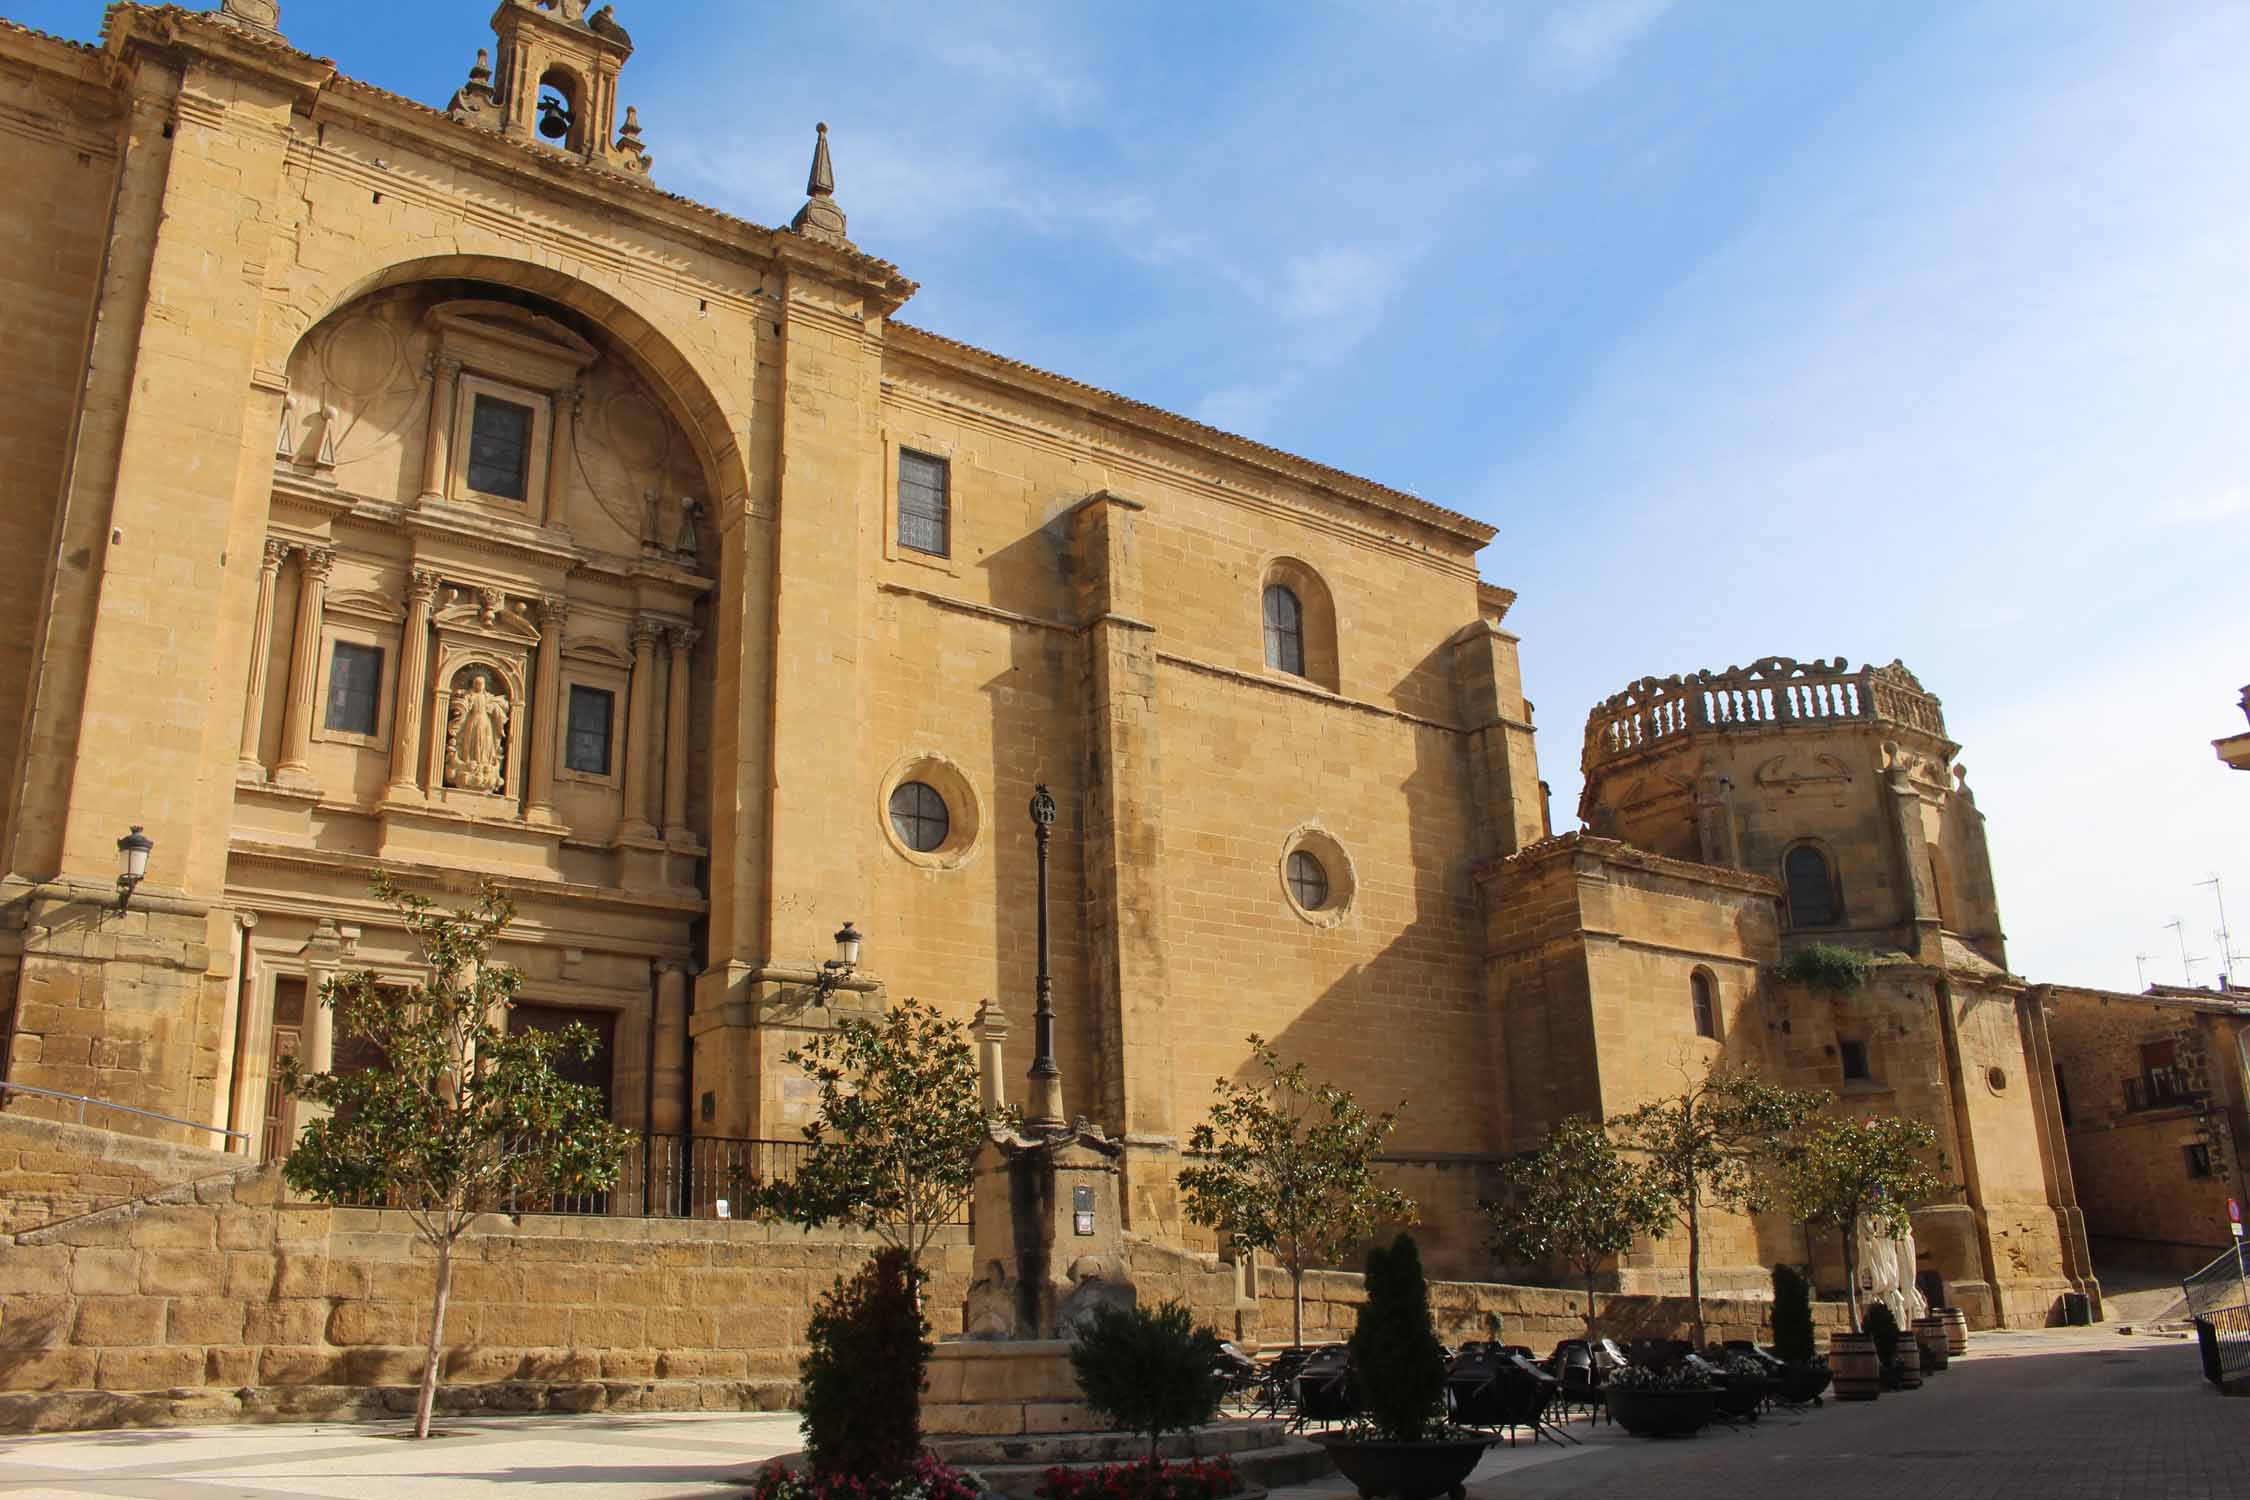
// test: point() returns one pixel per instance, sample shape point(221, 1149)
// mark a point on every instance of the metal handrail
point(82, 1100)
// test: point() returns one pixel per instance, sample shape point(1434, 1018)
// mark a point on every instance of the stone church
point(416, 486)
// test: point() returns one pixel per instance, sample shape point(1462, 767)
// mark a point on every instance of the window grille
point(1285, 631)
point(924, 509)
point(499, 448)
point(1706, 1004)
point(1308, 882)
point(1812, 888)
point(355, 685)
point(591, 712)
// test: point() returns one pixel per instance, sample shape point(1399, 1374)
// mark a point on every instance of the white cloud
point(1590, 36)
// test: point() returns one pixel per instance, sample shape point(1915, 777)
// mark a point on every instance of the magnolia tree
point(1287, 1165)
point(894, 1141)
point(1706, 1144)
point(1574, 1203)
point(459, 1116)
point(1838, 1172)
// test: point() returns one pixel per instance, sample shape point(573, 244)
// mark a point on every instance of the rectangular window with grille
point(1854, 1057)
point(2198, 1160)
point(355, 685)
point(591, 712)
point(924, 518)
point(499, 448)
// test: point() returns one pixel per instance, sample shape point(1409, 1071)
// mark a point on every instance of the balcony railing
point(1772, 691)
point(2161, 1088)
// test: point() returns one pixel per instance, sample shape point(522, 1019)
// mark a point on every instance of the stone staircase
point(1267, 1454)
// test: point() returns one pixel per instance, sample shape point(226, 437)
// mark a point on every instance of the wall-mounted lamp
point(838, 969)
point(132, 859)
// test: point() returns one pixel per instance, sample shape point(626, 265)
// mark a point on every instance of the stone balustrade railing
point(1771, 691)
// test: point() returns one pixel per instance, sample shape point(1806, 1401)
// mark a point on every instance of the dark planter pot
point(1741, 1397)
point(1408, 1471)
point(1662, 1413)
point(1802, 1383)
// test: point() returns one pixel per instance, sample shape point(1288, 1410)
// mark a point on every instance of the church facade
point(422, 490)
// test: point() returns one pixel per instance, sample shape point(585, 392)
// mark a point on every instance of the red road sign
point(2234, 1211)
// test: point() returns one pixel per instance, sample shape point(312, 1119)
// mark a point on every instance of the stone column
point(304, 667)
point(546, 710)
point(559, 452)
point(640, 733)
point(413, 686)
point(261, 647)
point(991, 1031)
point(683, 642)
point(667, 1078)
point(438, 441)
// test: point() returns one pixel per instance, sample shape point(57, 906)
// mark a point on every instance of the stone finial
point(474, 102)
point(260, 16)
point(630, 154)
point(820, 218)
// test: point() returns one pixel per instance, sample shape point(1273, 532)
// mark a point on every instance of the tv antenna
point(2187, 964)
point(2140, 965)
point(2226, 939)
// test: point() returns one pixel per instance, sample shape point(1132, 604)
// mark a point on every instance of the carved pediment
point(364, 604)
point(487, 613)
point(589, 648)
point(510, 341)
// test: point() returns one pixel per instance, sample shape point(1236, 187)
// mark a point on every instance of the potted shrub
point(1402, 1445)
point(1647, 1402)
point(1149, 1370)
point(1747, 1384)
point(1804, 1372)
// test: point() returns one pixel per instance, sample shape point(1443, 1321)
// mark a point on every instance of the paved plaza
point(2064, 1415)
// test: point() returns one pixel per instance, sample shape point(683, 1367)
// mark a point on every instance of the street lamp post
point(1046, 1076)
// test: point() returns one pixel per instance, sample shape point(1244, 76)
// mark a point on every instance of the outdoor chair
point(1579, 1381)
point(1324, 1389)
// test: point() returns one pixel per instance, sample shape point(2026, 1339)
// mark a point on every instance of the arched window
point(1285, 630)
point(1812, 887)
point(1705, 994)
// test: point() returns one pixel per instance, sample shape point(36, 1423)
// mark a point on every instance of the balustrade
point(1775, 690)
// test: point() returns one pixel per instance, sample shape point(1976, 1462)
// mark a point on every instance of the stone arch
point(688, 390)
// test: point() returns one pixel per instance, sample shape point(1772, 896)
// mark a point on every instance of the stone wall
point(51, 1170)
point(218, 1301)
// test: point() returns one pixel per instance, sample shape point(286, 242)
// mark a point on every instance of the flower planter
point(1405, 1471)
point(1802, 1383)
point(1646, 1413)
point(1859, 1375)
point(1741, 1396)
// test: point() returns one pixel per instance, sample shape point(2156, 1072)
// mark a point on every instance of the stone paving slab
point(2063, 1414)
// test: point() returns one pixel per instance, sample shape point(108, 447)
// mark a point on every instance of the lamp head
point(847, 945)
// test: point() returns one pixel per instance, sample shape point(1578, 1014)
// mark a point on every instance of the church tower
point(556, 82)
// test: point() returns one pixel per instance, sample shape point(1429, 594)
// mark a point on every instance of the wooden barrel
point(1851, 1360)
point(1909, 1364)
point(1956, 1332)
point(1930, 1334)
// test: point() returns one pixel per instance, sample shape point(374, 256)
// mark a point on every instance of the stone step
point(1234, 1439)
point(1285, 1464)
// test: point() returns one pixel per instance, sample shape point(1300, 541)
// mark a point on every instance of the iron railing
point(2218, 1300)
point(82, 1100)
point(2161, 1088)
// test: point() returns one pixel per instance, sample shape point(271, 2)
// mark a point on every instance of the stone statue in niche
point(685, 541)
point(652, 519)
point(476, 737)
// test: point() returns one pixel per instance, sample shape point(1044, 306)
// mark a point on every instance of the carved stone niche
point(478, 719)
point(525, 368)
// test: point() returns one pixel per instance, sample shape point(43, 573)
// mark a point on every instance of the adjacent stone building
point(424, 490)
point(2153, 1093)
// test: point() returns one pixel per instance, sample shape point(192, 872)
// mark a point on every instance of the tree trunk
point(1851, 1276)
point(428, 1398)
point(1695, 1261)
point(1297, 1305)
point(1591, 1331)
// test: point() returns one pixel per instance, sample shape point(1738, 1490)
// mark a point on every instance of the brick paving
point(2127, 1420)
point(2068, 1415)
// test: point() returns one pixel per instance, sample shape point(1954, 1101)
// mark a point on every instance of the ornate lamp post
point(1046, 1077)
point(836, 970)
point(133, 851)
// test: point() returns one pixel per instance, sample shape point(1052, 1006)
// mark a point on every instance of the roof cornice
point(1027, 379)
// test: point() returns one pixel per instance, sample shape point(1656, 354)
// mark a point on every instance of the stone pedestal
point(1048, 1234)
point(1004, 1388)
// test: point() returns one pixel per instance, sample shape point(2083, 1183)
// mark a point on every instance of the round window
point(1996, 1079)
point(1308, 882)
point(919, 816)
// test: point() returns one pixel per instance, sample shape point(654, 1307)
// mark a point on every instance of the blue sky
point(1899, 329)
